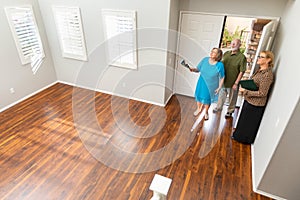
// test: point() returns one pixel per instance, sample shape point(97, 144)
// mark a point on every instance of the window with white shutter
point(120, 35)
point(26, 35)
point(70, 32)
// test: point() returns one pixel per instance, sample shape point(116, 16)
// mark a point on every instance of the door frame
point(179, 34)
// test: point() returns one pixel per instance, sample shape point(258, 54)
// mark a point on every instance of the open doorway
point(250, 31)
point(236, 27)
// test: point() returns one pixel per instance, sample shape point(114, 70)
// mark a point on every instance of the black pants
point(248, 123)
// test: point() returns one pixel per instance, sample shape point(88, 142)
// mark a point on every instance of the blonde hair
point(269, 55)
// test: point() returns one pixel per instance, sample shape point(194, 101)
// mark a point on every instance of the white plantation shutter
point(70, 32)
point(26, 35)
point(120, 35)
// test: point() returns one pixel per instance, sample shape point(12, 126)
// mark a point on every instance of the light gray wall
point(275, 152)
point(236, 7)
point(281, 177)
point(137, 84)
point(13, 73)
point(172, 45)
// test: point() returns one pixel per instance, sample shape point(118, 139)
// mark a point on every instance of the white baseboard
point(168, 99)
point(72, 84)
point(132, 98)
point(254, 181)
point(66, 83)
point(268, 195)
point(115, 94)
point(27, 96)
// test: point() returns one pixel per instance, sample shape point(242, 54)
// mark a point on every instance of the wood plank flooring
point(76, 144)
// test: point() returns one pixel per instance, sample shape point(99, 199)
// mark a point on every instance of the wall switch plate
point(12, 90)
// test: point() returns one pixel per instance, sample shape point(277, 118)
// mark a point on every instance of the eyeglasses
point(261, 56)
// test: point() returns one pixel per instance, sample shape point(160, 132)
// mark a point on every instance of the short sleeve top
point(233, 64)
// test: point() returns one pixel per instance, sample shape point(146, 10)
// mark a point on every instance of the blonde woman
point(255, 101)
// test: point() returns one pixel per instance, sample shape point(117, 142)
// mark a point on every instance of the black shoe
point(228, 115)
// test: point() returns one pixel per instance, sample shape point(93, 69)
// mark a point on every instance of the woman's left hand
point(217, 90)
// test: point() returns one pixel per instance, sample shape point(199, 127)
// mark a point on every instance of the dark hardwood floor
point(76, 144)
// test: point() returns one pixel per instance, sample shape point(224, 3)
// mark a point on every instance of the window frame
point(116, 42)
point(25, 57)
point(70, 35)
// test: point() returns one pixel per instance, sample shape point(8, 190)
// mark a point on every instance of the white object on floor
point(160, 186)
point(197, 122)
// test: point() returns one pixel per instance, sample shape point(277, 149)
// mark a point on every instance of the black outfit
point(248, 124)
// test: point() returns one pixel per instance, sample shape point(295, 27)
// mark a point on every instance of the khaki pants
point(233, 94)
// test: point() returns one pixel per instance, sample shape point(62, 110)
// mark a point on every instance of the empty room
point(95, 102)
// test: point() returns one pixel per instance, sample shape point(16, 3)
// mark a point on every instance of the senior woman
point(210, 80)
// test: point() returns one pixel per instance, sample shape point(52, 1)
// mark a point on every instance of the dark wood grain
point(44, 156)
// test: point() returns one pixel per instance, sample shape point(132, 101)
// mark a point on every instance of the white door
point(198, 34)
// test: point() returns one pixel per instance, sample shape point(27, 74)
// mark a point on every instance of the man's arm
point(239, 78)
point(236, 83)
